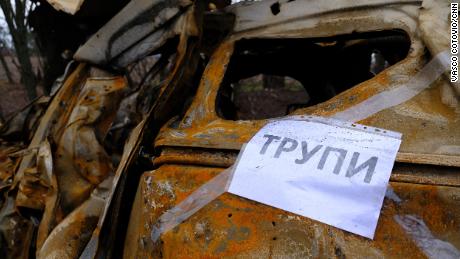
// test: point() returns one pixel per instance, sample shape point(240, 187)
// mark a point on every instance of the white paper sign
point(328, 170)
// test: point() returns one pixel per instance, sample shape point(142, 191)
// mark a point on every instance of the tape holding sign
point(328, 170)
point(322, 168)
point(386, 99)
point(377, 168)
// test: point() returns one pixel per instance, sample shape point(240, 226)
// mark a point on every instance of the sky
point(3, 24)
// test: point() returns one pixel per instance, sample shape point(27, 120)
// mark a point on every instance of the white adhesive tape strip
point(384, 100)
point(194, 202)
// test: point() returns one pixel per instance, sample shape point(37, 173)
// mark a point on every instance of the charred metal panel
point(433, 28)
point(76, 180)
point(80, 165)
point(276, 17)
point(437, 143)
point(67, 6)
point(15, 230)
point(177, 85)
point(137, 30)
point(421, 203)
point(232, 226)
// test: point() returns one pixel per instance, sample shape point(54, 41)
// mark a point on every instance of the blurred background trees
point(15, 16)
point(37, 42)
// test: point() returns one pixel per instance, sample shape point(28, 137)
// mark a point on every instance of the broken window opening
point(145, 77)
point(154, 67)
point(269, 78)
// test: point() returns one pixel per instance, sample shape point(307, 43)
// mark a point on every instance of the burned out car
point(213, 80)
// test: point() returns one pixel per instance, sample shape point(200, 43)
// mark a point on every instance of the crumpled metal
point(80, 160)
point(68, 174)
point(56, 190)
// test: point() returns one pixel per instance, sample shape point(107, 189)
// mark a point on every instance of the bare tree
point(5, 66)
point(4, 48)
point(15, 16)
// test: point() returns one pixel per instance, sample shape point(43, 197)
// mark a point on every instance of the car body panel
point(233, 226)
point(422, 200)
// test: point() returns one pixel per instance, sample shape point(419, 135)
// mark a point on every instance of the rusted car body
point(60, 171)
point(69, 186)
point(420, 216)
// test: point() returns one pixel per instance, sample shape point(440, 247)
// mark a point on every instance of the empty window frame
point(269, 78)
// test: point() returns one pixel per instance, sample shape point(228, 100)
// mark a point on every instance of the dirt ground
point(13, 97)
